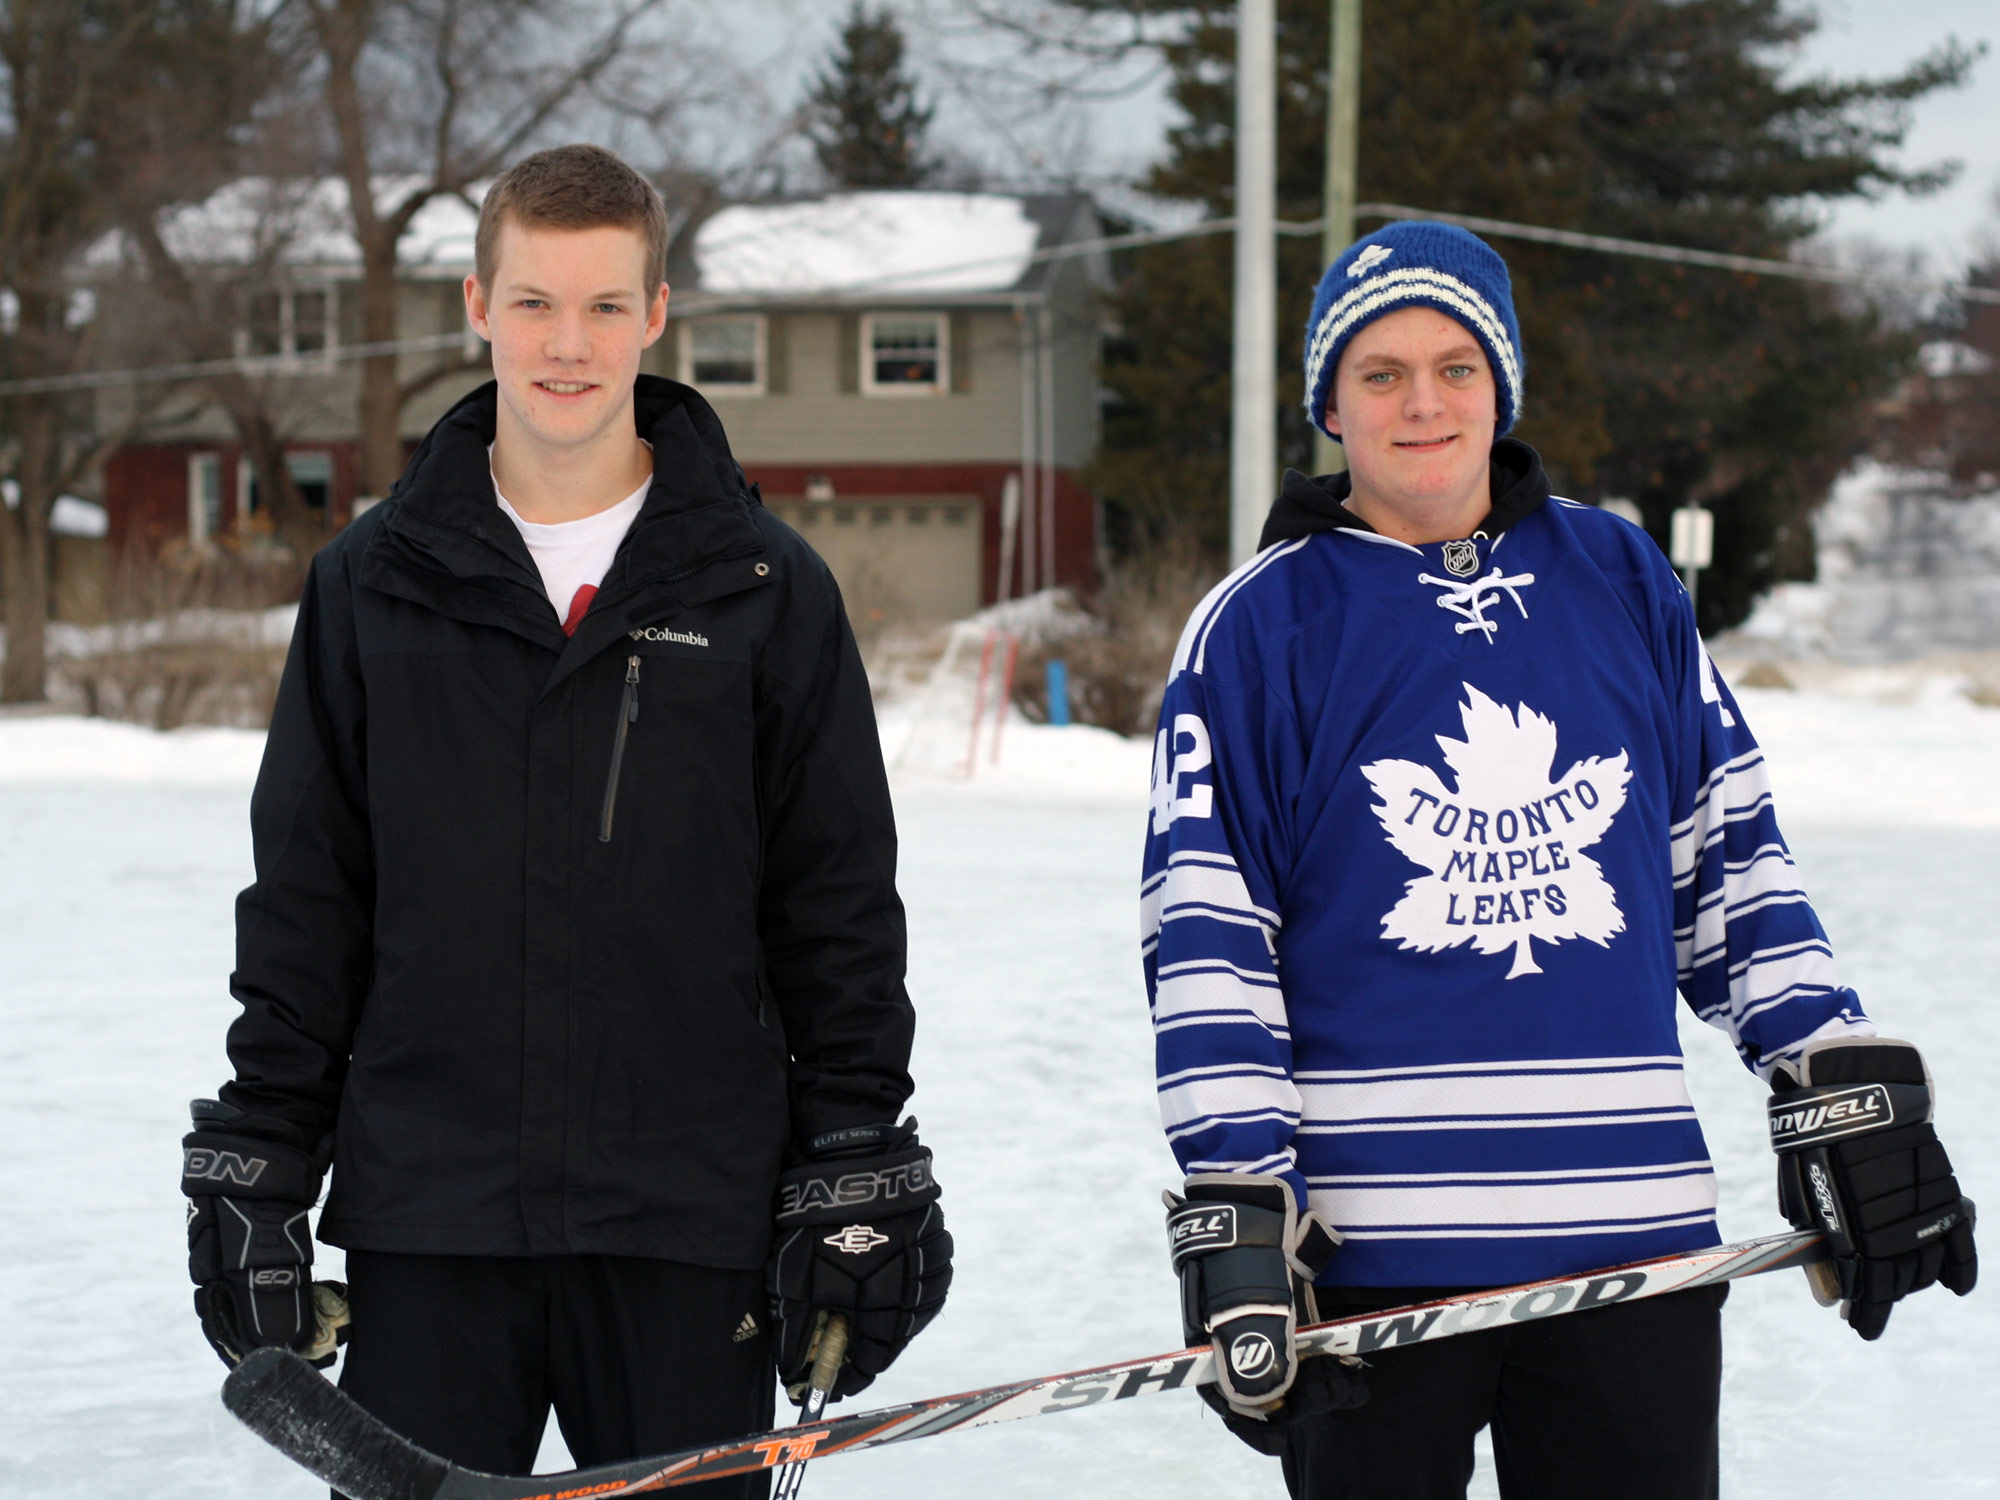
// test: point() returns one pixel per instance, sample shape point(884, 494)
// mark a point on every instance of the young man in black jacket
point(574, 947)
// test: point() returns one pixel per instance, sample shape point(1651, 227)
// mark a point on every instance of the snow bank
point(55, 748)
point(244, 629)
point(1905, 567)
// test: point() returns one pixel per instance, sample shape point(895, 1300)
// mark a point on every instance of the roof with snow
point(884, 245)
point(302, 223)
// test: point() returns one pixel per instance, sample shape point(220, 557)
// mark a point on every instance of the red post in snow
point(1006, 693)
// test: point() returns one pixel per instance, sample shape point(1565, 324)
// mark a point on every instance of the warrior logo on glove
point(1251, 1355)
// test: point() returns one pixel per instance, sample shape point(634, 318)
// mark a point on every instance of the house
point(910, 377)
point(184, 480)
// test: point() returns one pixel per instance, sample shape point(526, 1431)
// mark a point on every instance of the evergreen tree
point(1664, 120)
point(866, 124)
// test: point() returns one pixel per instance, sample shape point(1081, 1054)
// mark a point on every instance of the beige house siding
point(814, 411)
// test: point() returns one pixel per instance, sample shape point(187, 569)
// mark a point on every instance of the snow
point(305, 222)
point(69, 516)
point(1034, 1062)
point(1943, 358)
point(892, 241)
point(1907, 565)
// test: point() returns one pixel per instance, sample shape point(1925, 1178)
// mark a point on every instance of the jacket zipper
point(628, 715)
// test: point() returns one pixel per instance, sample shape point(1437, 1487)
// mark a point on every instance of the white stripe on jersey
point(1554, 1093)
point(1193, 645)
point(1466, 1206)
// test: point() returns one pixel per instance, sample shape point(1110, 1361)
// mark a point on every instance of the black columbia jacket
point(563, 940)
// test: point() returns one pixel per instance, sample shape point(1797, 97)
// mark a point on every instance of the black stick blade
point(285, 1402)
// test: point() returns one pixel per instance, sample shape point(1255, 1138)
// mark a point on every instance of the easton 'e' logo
point(272, 1276)
point(204, 1164)
point(856, 1239)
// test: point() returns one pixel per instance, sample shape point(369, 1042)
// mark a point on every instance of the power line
point(322, 363)
point(1679, 255)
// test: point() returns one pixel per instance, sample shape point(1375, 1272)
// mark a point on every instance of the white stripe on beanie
point(1407, 284)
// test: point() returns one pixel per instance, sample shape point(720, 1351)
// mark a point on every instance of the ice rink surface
point(123, 851)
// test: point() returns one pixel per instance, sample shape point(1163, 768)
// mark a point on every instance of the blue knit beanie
point(1416, 264)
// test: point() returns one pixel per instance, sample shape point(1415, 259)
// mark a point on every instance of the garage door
point(898, 558)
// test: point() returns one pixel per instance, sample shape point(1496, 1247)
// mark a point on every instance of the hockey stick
point(279, 1397)
point(825, 1370)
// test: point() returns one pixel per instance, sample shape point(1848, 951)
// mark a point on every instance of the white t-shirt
point(573, 556)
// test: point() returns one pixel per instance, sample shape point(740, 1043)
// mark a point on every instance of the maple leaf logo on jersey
point(1504, 847)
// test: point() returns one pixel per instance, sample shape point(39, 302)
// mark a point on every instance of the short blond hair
point(573, 187)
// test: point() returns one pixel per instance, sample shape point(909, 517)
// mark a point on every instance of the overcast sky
point(1867, 37)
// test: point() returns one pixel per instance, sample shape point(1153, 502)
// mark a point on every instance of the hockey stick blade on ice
point(284, 1401)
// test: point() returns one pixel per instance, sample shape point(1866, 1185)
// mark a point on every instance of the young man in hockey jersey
point(1448, 803)
point(574, 946)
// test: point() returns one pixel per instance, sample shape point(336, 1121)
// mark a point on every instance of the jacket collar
point(445, 542)
point(1306, 505)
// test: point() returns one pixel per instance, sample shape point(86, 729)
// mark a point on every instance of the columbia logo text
point(661, 633)
point(204, 1164)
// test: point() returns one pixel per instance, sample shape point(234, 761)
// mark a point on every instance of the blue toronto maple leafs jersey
point(1437, 834)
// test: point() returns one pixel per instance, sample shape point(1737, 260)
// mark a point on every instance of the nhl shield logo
point(1461, 559)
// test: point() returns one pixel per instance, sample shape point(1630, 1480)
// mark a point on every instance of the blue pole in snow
point(1058, 676)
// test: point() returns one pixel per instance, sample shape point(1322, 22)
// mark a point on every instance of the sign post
point(1692, 544)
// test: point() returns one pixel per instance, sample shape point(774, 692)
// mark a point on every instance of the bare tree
point(96, 95)
point(431, 97)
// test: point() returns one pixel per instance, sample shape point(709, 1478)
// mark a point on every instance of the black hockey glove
point(249, 1187)
point(860, 1234)
point(1859, 1161)
point(1247, 1258)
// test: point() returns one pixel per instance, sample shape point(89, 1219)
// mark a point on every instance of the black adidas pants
point(1619, 1401)
point(465, 1355)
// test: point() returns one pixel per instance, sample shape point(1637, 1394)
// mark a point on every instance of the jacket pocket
point(628, 715)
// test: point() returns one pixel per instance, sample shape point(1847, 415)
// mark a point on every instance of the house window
point(725, 356)
point(312, 473)
point(287, 322)
point(204, 496)
point(904, 354)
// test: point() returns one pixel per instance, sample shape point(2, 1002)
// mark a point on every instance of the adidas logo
point(745, 1331)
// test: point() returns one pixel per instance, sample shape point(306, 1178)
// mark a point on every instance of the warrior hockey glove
point(249, 1188)
point(1859, 1162)
point(860, 1234)
point(1247, 1259)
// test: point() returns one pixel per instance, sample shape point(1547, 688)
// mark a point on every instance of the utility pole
point(1253, 438)
point(1343, 133)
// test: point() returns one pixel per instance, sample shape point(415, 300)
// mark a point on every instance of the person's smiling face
point(568, 315)
point(1415, 405)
